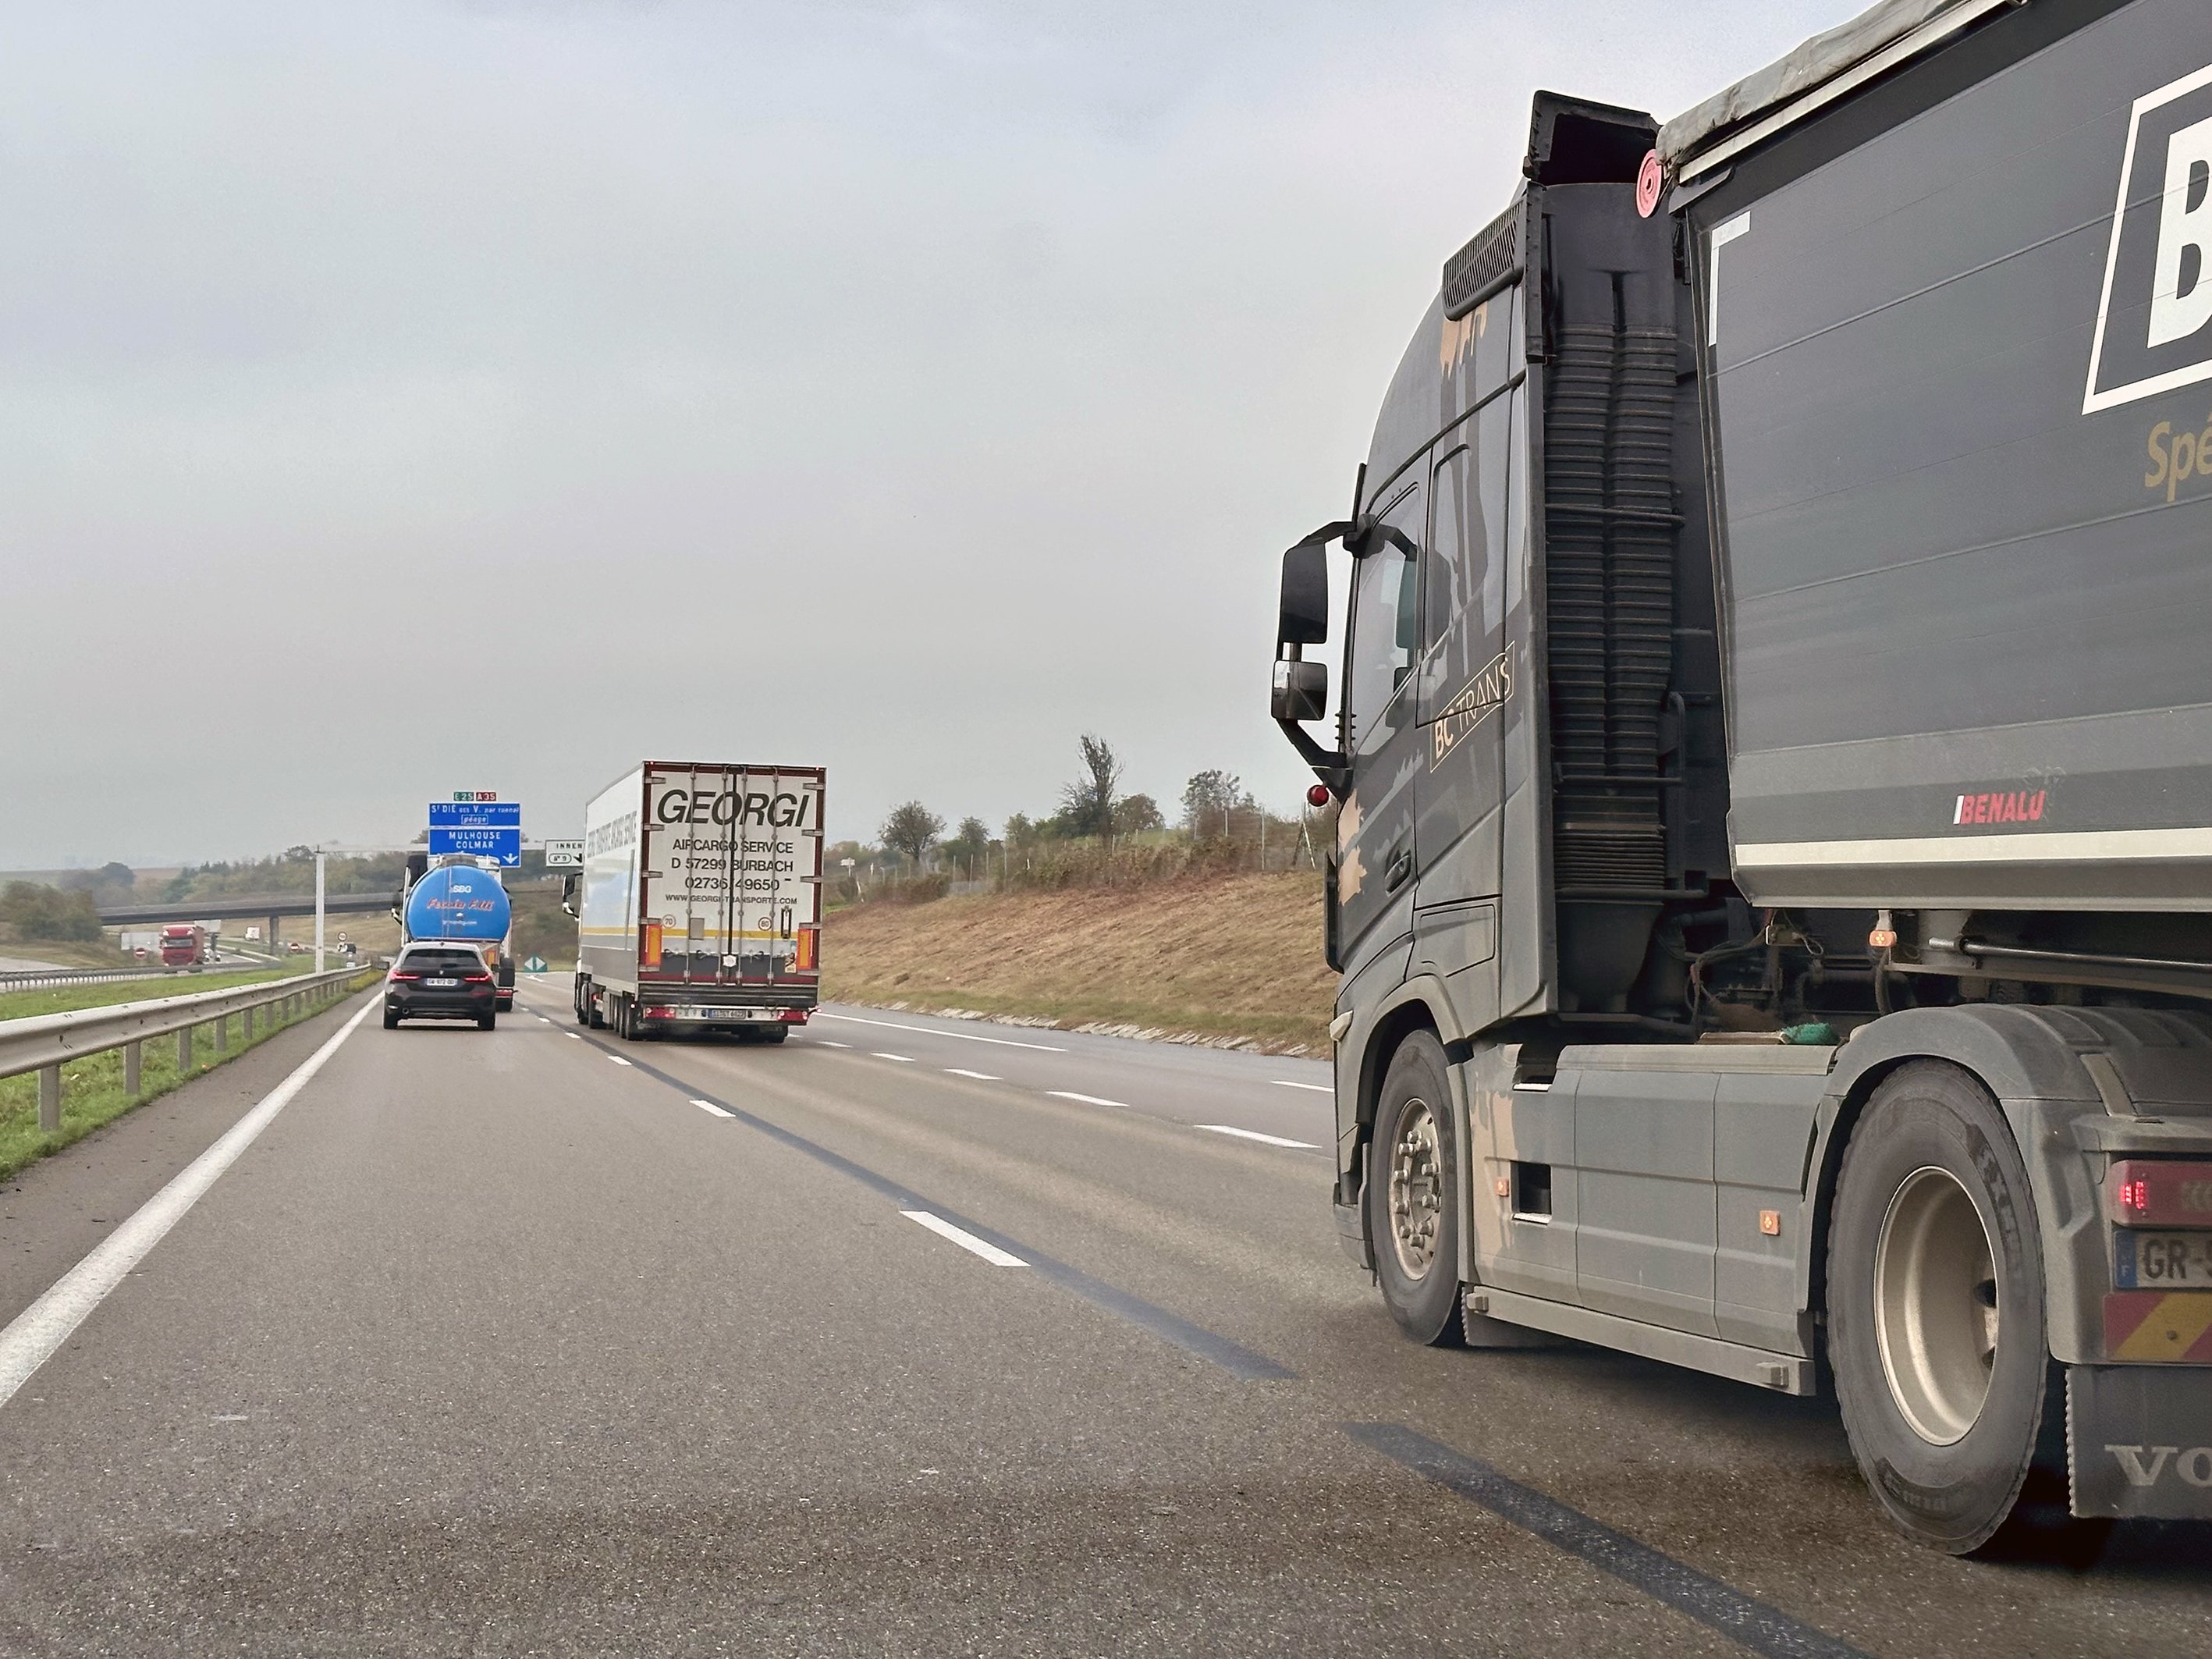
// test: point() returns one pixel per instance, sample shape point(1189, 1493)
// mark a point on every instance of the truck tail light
point(794, 1016)
point(2160, 1192)
point(809, 951)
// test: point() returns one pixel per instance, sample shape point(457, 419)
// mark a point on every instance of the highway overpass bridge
point(262, 907)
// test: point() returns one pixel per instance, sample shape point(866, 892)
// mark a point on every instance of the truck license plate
point(2157, 1262)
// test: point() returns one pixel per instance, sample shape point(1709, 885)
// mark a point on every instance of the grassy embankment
point(1210, 959)
point(92, 1088)
point(68, 953)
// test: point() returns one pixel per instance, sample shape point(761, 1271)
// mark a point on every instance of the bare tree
point(1087, 805)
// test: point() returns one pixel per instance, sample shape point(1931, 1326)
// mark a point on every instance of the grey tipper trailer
point(1773, 889)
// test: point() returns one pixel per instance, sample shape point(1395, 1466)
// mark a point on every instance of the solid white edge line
point(904, 1059)
point(33, 1335)
point(1254, 1134)
point(979, 1077)
point(932, 1030)
point(1088, 1100)
point(709, 1106)
point(966, 1241)
point(618, 1060)
point(1318, 1088)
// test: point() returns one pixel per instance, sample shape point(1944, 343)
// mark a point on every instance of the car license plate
point(2158, 1262)
point(442, 984)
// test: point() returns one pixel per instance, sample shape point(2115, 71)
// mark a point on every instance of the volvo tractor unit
point(1772, 751)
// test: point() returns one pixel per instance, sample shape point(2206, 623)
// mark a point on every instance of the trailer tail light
point(659, 1012)
point(2158, 1193)
point(794, 1017)
point(809, 952)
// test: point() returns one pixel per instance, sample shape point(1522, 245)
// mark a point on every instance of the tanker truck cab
point(1693, 1003)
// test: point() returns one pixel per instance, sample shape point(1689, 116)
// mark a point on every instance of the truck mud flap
point(2139, 1440)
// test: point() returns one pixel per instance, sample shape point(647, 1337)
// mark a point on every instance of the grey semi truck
point(1773, 752)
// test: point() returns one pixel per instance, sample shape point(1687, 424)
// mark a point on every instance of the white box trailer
point(700, 902)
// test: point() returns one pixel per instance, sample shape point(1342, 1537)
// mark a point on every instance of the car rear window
point(422, 962)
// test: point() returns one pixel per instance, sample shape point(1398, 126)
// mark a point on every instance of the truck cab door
point(1375, 827)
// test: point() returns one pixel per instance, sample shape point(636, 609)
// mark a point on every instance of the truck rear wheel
point(1936, 1308)
point(1412, 1194)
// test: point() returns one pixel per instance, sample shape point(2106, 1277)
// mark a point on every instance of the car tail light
point(478, 979)
point(810, 949)
point(396, 974)
point(2160, 1193)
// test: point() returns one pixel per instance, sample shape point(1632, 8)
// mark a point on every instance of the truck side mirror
point(1305, 613)
point(1301, 691)
point(568, 894)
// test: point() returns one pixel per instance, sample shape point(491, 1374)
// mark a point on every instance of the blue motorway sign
point(503, 845)
point(475, 815)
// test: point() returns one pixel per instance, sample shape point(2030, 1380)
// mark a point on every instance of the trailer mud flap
point(2139, 1440)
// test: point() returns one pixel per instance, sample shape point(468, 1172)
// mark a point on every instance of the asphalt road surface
point(908, 1336)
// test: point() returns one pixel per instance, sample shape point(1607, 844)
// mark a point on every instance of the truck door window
point(1385, 624)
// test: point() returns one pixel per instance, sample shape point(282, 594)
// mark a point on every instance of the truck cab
point(1717, 984)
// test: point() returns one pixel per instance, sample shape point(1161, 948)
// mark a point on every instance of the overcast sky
point(408, 398)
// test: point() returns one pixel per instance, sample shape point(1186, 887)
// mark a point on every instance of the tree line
point(1215, 806)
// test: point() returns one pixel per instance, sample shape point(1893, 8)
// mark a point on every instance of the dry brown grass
point(1218, 957)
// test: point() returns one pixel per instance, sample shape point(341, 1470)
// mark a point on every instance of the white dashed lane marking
point(1087, 1100)
point(618, 1060)
point(1254, 1134)
point(932, 1031)
point(709, 1106)
point(966, 1241)
point(979, 1077)
point(1318, 1088)
point(904, 1059)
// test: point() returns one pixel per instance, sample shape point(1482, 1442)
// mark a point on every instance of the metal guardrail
point(45, 1043)
point(34, 979)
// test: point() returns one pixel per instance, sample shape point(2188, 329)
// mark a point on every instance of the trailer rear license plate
point(442, 984)
point(2158, 1262)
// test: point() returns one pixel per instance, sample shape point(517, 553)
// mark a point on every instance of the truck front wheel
point(1936, 1308)
point(1413, 1193)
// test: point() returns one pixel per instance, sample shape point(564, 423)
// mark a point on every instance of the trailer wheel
point(1936, 1308)
point(1412, 1195)
point(596, 1008)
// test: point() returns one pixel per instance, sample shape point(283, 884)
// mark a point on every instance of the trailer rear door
point(730, 873)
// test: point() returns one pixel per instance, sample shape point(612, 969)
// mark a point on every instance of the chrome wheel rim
point(1936, 1310)
point(1416, 1191)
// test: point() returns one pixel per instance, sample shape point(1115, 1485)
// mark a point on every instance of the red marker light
point(1318, 795)
point(1650, 179)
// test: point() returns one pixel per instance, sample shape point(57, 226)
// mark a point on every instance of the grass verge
point(63, 999)
point(1231, 959)
point(92, 1088)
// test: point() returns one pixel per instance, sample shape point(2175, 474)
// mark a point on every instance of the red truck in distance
point(184, 944)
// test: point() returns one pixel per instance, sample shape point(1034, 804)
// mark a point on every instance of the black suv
point(440, 982)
